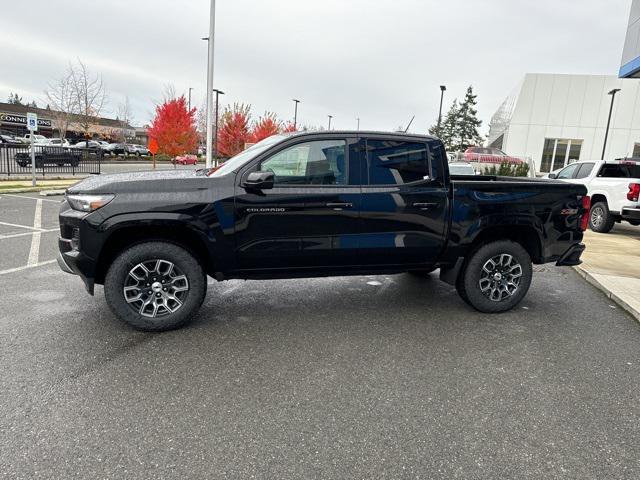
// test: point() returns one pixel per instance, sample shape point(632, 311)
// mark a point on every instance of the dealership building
point(630, 66)
point(556, 119)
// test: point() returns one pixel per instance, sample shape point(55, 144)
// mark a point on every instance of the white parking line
point(18, 269)
point(7, 224)
point(14, 235)
point(30, 198)
point(34, 252)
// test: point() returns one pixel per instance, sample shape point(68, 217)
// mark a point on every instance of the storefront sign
point(21, 120)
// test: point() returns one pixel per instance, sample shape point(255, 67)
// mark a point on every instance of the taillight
point(586, 207)
point(634, 192)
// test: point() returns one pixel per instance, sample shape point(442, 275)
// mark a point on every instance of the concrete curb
point(50, 193)
point(33, 189)
point(608, 293)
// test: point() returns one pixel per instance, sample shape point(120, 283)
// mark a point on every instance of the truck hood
point(142, 182)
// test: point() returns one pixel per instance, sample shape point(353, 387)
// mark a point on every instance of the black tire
point(503, 289)
point(170, 313)
point(600, 219)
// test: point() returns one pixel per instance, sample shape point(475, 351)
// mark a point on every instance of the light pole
point(212, 27)
point(443, 88)
point(358, 128)
point(218, 92)
point(295, 114)
point(190, 88)
point(606, 132)
point(330, 117)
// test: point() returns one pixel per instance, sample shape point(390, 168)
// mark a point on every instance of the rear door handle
point(425, 206)
point(339, 205)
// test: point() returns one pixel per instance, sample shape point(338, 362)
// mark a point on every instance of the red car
point(489, 155)
point(187, 160)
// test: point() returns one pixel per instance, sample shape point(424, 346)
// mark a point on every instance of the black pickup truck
point(311, 205)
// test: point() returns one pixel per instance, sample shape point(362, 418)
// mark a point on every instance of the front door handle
point(339, 205)
point(425, 205)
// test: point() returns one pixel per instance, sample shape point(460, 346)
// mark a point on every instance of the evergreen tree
point(14, 99)
point(448, 127)
point(467, 134)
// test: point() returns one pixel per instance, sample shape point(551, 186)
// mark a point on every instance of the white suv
point(614, 188)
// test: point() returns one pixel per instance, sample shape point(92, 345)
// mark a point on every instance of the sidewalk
point(611, 263)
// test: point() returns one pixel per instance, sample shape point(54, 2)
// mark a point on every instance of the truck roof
point(361, 132)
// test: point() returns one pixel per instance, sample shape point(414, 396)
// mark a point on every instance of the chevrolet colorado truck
point(312, 205)
point(612, 185)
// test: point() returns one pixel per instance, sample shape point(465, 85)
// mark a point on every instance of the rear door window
point(396, 162)
point(620, 170)
point(585, 170)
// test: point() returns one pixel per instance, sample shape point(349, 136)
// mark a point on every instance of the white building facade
point(557, 119)
point(630, 66)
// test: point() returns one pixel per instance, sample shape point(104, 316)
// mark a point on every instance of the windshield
point(243, 157)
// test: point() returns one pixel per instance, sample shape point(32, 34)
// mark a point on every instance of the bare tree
point(89, 94)
point(125, 116)
point(61, 99)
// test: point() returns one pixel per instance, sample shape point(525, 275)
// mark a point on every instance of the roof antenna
point(410, 122)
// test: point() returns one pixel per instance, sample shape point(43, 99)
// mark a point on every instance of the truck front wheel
point(496, 277)
point(155, 286)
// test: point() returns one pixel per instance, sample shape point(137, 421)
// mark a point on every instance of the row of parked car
point(107, 147)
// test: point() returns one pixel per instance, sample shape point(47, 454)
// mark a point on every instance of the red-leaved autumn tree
point(174, 127)
point(265, 127)
point(289, 127)
point(233, 132)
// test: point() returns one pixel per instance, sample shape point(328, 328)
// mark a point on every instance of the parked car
point(273, 211)
point(9, 139)
point(614, 187)
point(46, 155)
point(58, 142)
point(489, 155)
point(140, 150)
point(187, 160)
point(461, 168)
point(36, 138)
point(88, 144)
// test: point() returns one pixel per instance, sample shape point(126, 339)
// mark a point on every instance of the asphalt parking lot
point(351, 377)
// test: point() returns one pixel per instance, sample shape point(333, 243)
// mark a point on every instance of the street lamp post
point(218, 93)
point(358, 128)
point(606, 132)
point(212, 26)
point(295, 114)
point(442, 90)
point(190, 88)
point(330, 117)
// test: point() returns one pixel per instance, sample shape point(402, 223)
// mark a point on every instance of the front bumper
point(72, 261)
point(571, 257)
point(630, 214)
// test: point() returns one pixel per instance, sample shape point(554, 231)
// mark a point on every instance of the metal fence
point(16, 160)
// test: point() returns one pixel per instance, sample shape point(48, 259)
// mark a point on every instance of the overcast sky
point(378, 60)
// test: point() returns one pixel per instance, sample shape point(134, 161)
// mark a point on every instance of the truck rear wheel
point(600, 219)
point(496, 277)
point(155, 286)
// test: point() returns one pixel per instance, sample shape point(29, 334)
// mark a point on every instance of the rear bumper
point(630, 213)
point(571, 257)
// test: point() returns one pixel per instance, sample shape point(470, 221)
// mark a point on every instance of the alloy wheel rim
point(597, 216)
point(500, 278)
point(155, 288)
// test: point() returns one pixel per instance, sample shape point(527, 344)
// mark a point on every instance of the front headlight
point(88, 203)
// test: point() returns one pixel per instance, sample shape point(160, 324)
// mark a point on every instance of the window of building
point(393, 162)
point(636, 150)
point(309, 163)
point(559, 152)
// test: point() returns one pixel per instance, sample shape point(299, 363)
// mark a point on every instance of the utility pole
point(330, 117)
point(212, 27)
point(442, 90)
point(606, 132)
point(218, 92)
point(295, 114)
point(358, 128)
point(190, 88)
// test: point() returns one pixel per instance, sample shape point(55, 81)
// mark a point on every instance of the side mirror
point(553, 175)
point(259, 181)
